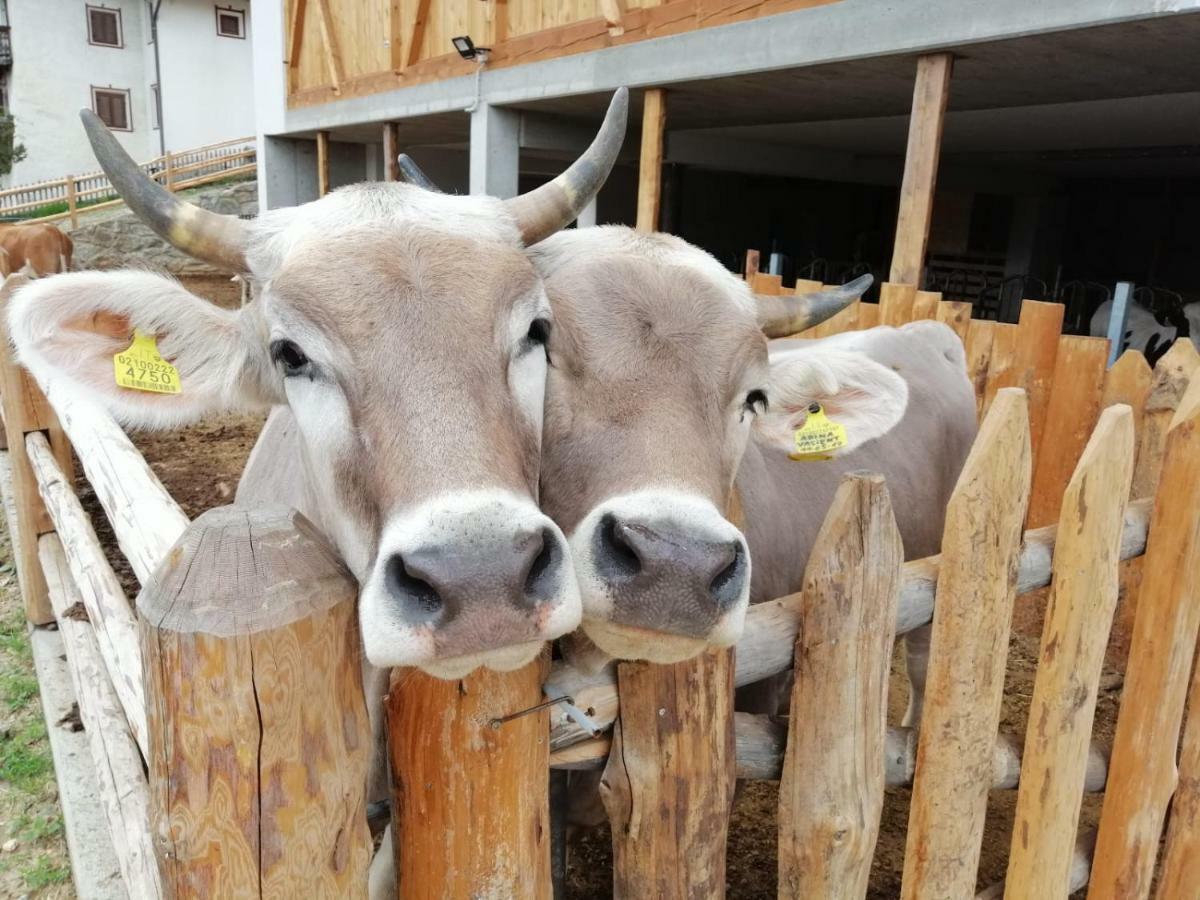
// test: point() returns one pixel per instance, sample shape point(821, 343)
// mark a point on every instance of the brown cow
point(44, 247)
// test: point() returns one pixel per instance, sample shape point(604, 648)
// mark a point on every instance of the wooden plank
point(395, 37)
point(957, 315)
point(827, 835)
point(1039, 330)
point(259, 737)
point(668, 785)
point(1129, 382)
point(868, 316)
point(1072, 410)
point(654, 121)
point(896, 303)
point(416, 37)
point(25, 410)
point(751, 265)
point(391, 151)
point(614, 13)
point(333, 53)
point(1003, 359)
point(1142, 776)
point(295, 43)
point(322, 163)
point(925, 305)
point(765, 283)
point(930, 93)
point(117, 759)
point(1171, 377)
point(1083, 599)
point(471, 804)
point(1181, 859)
point(976, 586)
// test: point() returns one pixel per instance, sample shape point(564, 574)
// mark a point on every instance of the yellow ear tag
point(818, 436)
point(142, 369)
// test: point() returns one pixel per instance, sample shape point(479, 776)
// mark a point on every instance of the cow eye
point(539, 332)
point(291, 357)
point(756, 402)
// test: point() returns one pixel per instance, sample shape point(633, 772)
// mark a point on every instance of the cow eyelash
point(755, 402)
point(290, 357)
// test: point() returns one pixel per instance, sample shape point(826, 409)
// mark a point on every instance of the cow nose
point(712, 572)
point(434, 585)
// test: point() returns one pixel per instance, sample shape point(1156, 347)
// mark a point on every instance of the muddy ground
point(200, 466)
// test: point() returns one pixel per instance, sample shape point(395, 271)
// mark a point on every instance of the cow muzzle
point(480, 579)
point(663, 575)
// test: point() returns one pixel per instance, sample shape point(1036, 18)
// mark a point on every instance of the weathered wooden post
point(831, 793)
point(259, 739)
point(470, 811)
point(71, 208)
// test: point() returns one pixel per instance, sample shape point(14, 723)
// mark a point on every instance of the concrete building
point(1069, 132)
point(71, 54)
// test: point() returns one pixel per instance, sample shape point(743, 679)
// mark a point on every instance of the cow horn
point(412, 174)
point(554, 206)
point(205, 235)
point(780, 316)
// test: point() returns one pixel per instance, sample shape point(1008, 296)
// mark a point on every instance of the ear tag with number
point(818, 436)
point(141, 368)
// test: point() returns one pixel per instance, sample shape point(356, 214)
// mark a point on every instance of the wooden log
point(760, 742)
point(120, 780)
point(981, 335)
point(752, 257)
point(259, 738)
point(25, 411)
point(391, 150)
point(654, 121)
point(1000, 366)
point(896, 303)
point(868, 316)
point(831, 791)
point(1156, 680)
point(1129, 382)
point(144, 517)
point(471, 810)
point(1083, 598)
point(930, 93)
point(1072, 410)
point(1081, 867)
point(766, 283)
point(668, 784)
point(957, 315)
point(1172, 375)
point(1038, 334)
point(925, 305)
point(108, 608)
point(1180, 870)
point(981, 547)
point(767, 645)
point(322, 162)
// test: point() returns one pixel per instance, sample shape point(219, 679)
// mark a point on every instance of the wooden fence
point(241, 696)
point(175, 171)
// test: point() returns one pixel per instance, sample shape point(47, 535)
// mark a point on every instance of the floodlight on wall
point(467, 50)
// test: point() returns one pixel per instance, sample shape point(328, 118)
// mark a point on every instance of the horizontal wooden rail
point(107, 606)
point(145, 518)
point(760, 742)
point(766, 646)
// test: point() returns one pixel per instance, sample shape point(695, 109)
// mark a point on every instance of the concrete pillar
point(287, 173)
point(495, 150)
point(587, 216)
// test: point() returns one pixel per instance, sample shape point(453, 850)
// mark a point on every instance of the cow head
point(659, 376)
point(406, 331)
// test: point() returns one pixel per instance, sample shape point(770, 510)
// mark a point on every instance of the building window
point(155, 109)
point(104, 27)
point(112, 106)
point(231, 22)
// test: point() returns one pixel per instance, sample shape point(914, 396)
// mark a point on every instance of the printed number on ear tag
point(140, 368)
point(818, 436)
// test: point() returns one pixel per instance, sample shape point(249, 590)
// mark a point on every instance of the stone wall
point(118, 239)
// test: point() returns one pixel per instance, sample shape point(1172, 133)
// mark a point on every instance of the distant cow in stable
point(1148, 333)
point(44, 248)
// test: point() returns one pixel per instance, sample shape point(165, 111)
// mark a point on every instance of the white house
point(101, 54)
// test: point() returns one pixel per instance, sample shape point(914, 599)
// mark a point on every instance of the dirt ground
point(200, 466)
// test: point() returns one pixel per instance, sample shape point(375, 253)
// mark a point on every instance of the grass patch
point(37, 828)
point(45, 872)
point(25, 757)
point(18, 689)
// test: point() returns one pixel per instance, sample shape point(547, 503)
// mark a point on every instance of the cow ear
point(70, 328)
point(855, 392)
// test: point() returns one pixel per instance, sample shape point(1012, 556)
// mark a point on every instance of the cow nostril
point(540, 581)
point(616, 558)
point(420, 603)
point(726, 587)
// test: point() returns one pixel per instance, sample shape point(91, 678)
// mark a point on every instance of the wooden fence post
point(471, 809)
point(1083, 598)
point(25, 411)
point(1171, 377)
point(322, 163)
point(654, 120)
point(259, 739)
point(1142, 772)
point(72, 212)
point(391, 151)
point(169, 171)
point(1181, 859)
point(976, 586)
point(831, 793)
point(668, 784)
point(896, 303)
